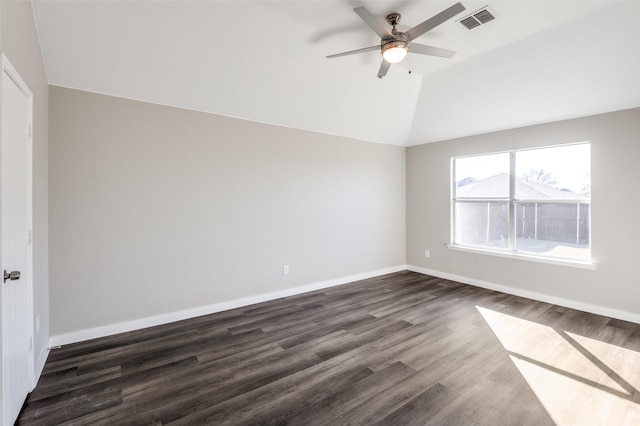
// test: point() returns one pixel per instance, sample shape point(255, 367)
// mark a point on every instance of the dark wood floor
point(401, 349)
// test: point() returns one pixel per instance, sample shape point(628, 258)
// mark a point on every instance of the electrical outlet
point(427, 253)
point(285, 270)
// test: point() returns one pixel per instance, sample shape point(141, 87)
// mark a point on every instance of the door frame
point(9, 72)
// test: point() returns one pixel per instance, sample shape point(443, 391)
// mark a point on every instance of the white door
point(17, 346)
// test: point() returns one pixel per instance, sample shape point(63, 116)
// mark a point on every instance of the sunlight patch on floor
point(624, 362)
point(578, 380)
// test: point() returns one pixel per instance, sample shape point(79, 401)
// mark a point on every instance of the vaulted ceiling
point(538, 61)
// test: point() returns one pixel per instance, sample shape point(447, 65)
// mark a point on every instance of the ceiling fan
point(394, 45)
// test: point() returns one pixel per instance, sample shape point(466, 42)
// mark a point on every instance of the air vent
point(478, 18)
point(470, 22)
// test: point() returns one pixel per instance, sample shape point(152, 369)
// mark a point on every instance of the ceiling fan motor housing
point(399, 40)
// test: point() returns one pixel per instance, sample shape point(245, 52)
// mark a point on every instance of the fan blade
point(423, 49)
point(353, 52)
point(434, 21)
point(384, 67)
point(376, 23)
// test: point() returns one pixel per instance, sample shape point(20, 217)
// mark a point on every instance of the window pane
point(561, 173)
point(550, 205)
point(483, 176)
point(553, 229)
point(482, 224)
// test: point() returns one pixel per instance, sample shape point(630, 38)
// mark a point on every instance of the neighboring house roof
point(498, 187)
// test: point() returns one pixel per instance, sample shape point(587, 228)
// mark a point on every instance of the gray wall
point(155, 209)
point(19, 42)
point(615, 177)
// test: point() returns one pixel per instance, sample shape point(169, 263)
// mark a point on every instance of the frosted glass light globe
point(394, 51)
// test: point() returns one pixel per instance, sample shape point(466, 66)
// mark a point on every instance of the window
point(535, 202)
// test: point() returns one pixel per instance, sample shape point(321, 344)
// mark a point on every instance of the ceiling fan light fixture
point(395, 51)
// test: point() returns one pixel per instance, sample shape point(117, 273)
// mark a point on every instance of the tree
point(541, 176)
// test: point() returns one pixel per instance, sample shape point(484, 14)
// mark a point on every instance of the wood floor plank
point(424, 406)
point(384, 404)
point(399, 349)
point(326, 411)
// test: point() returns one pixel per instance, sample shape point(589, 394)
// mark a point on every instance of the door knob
point(13, 275)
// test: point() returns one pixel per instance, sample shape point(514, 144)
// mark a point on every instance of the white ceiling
point(265, 61)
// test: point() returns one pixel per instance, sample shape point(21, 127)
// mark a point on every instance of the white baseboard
point(111, 329)
point(568, 303)
point(39, 365)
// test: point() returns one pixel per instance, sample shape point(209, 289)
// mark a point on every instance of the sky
point(570, 165)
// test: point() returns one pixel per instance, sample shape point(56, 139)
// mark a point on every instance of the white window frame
point(510, 251)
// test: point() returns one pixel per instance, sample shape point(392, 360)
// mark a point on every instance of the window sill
point(510, 255)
